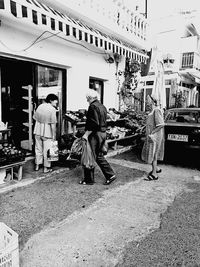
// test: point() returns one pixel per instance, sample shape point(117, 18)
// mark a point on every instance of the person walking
point(153, 149)
point(95, 133)
point(45, 131)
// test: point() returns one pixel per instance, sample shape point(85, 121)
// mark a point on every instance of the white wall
point(189, 44)
point(79, 61)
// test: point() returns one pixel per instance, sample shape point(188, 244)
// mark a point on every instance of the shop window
point(49, 81)
point(97, 85)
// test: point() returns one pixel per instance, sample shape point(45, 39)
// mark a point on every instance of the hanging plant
point(132, 68)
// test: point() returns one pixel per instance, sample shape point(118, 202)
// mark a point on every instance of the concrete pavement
point(97, 236)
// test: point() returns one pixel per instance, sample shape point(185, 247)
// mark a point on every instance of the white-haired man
point(95, 132)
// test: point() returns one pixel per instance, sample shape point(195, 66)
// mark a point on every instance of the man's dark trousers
point(96, 140)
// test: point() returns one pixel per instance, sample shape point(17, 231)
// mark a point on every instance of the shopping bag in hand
point(87, 158)
point(52, 152)
point(76, 147)
point(104, 148)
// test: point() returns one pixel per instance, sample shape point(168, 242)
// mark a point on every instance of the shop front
point(45, 51)
point(25, 85)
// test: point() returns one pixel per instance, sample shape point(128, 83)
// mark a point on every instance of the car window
point(183, 116)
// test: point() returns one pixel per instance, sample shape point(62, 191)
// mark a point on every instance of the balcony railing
point(113, 15)
point(190, 60)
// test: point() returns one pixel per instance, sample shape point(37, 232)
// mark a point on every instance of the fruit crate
point(9, 248)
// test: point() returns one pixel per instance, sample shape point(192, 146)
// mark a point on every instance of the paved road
point(124, 219)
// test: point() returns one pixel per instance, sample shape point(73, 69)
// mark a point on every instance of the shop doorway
point(17, 84)
point(23, 86)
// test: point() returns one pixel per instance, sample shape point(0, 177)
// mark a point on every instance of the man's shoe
point(110, 180)
point(83, 182)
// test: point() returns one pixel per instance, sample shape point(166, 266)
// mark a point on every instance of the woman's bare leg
point(154, 166)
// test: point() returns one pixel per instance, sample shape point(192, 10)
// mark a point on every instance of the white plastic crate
point(9, 248)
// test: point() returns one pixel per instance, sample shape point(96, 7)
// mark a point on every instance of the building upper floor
point(179, 46)
point(121, 18)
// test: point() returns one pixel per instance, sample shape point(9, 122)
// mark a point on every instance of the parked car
point(182, 128)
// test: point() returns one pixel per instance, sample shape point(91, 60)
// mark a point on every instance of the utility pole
point(146, 9)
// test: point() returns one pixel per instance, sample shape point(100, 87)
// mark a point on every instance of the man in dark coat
point(95, 133)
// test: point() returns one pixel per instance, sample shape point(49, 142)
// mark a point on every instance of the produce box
point(9, 248)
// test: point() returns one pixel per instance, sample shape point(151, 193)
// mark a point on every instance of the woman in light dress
point(153, 149)
point(45, 131)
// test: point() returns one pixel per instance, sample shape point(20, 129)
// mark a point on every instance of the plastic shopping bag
point(87, 158)
point(76, 147)
point(52, 152)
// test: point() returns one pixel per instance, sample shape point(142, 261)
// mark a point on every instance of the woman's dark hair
point(51, 97)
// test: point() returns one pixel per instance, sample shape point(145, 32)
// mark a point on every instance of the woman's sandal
point(151, 177)
point(159, 171)
point(48, 170)
point(109, 181)
point(37, 167)
point(83, 182)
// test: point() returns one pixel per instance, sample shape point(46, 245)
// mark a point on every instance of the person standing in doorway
point(153, 149)
point(95, 133)
point(45, 131)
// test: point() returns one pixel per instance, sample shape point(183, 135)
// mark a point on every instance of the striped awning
point(58, 22)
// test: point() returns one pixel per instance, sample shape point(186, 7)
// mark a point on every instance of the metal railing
point(190, 60)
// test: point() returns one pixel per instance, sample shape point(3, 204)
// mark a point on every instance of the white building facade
point(178, 47)
point(63, 48)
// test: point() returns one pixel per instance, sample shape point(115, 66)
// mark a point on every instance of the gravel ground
point(176, 242)
point(30, 209)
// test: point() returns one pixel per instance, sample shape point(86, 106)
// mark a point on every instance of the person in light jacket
point(45, 131)
point(153, 149)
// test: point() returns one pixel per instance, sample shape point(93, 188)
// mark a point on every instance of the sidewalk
point(30, 176)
